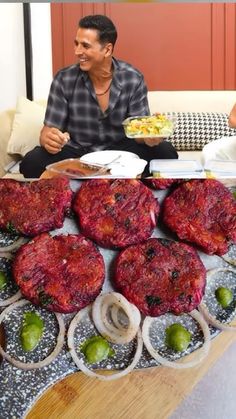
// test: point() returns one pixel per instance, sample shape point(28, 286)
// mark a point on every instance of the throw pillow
point(193, 130)
point(26, 127)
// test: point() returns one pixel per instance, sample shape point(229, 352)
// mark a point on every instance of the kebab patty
point(161, 275)
point(202, 212)
point(116, 213)
point(159, 183)
point(30, 208)
point(63, 273)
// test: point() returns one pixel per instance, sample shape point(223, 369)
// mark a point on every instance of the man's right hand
point(52, 139)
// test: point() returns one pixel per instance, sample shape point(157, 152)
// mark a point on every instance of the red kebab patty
point(161, 276)
point(116, 213)
point(30, 208)
point(60, 273)
point(159, 183)
point(202, 212)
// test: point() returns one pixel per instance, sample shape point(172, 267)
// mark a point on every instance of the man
point(88, 102)
point(232, 117)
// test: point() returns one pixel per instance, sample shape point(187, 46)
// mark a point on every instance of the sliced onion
point(212, 272)
point(153, 217)
point(229, 260)
point(204, 309)
point(6, 255)
point(111, 332)
point(199, 356)
point(116, 319)
point(213, 321)
point(18, 294)
point(49, 358)
point(13, 246)
point(11, 299)
point(80, 362)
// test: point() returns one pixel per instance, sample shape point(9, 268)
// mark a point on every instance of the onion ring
point(153, 217)
point(49, 358)
point(6, 255)
point(80, 362)
point(18, 294)
point(122, 334)
point(115, 317)
point(172, 364)
point(213, 321)
point(13, 246)
point(212, 272)
point(11, 299)
point(228, 259)
point(204, 309)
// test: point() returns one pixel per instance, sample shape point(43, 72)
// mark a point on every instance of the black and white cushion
point(193, 130)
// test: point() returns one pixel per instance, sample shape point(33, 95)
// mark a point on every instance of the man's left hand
point(151, 142)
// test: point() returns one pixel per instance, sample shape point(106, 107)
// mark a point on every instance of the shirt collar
point(115, 87)
point(116, 72)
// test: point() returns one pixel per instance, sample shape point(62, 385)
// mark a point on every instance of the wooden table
point(145, 394)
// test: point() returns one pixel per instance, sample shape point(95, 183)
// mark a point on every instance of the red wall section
point(183, 46)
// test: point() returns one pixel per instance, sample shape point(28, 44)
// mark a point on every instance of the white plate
point(107, 156)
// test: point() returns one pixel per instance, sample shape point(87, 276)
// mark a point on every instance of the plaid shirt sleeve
point(138, 104)
point(57, 106)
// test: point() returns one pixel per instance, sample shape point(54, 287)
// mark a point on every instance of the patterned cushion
point(193, 130)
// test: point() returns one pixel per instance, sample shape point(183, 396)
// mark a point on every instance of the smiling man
point(89, 101)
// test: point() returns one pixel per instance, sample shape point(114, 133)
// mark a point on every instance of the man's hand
point(232, 117)
point(151, 142)
point(52, 139)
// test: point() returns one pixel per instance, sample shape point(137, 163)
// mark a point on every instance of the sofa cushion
point(26, 127)
point(6, 119)
point(193, 130)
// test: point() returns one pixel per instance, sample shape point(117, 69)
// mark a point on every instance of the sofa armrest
point(6, 119)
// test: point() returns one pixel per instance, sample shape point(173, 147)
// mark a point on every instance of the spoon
point(105, 166)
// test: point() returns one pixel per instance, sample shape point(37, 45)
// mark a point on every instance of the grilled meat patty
point(116, 213)
point(202, 212)
point(156, 183)
point(61, 273)
point(161, 275)
point(30, 208)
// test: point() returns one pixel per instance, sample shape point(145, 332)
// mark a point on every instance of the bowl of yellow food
point(154, 126)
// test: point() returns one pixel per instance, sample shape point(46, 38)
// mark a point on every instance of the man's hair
point(106, 29)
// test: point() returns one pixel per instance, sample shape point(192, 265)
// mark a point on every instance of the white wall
point(42, 49)
point(12, 55)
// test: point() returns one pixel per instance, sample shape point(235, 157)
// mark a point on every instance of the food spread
point(157, 125)
point(125, 356)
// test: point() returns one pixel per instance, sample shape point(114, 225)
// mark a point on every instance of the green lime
point(177, 337)
point(224, 296)
point(3, 280)
point(30, 336)
point(96, 349)
point(31, 331)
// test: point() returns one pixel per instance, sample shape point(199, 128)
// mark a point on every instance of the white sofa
point(159, 101)
point(192, 101)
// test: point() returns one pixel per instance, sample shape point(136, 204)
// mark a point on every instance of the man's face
point(90, 53)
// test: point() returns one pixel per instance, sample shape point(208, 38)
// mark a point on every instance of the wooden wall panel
point(183, 46)
point(170, 43)
point(230, 46)
point(218, 50)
